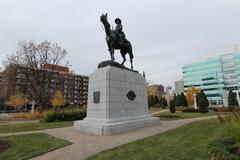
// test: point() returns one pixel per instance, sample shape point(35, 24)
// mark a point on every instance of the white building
point(216, 74)
point(179, 87)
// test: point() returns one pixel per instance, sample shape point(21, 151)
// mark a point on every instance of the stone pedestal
point(117, 102)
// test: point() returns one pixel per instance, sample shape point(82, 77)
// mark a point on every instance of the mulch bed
point(4, 146)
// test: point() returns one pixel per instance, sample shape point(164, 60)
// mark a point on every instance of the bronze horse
point(113, 42)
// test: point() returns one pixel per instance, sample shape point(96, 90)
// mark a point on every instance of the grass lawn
point(182, 115)
point(185, 143)
point(33, 126)
point(30, 145)
point(154, 110)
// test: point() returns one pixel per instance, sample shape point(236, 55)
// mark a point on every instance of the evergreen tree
point(181, 100)
point(198, 97)
point(184, 100)
point(156, 101)
point(174, 99)
point(172, 107)
point(205, 97)
point(178, 100)
point(153, 101)
point(202, 102)
point(164, 102)
point(160, 102)
point(150, 101)
point(232, 100)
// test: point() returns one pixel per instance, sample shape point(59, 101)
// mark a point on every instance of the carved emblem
point(131, 95)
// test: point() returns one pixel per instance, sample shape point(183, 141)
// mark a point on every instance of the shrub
point(4, 145)
point(225, 109)
point(219, 109)
point(172, 107)
point(190, 110)
point(224, 149)
point(231, 122)
point(227, 148)
point(49, 116)
point(70, 114)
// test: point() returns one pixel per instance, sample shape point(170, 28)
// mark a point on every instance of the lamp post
point(33, 103)
point(195, 101)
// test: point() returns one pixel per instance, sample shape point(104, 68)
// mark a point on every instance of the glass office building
point(215, 75)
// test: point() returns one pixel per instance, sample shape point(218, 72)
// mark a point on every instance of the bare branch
point(32, 57)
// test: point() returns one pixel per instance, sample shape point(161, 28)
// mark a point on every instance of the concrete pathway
point(155, 113)
point(85, 145)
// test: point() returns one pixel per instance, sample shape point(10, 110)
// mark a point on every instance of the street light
point(195, 101)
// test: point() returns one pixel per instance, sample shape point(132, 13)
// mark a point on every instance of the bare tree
point(32, 59)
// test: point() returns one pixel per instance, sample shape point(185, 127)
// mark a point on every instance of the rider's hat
point(118, 20)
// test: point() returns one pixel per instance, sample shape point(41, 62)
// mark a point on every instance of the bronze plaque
point(96, 97)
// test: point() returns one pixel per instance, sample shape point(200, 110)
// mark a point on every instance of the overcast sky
point(165, 34)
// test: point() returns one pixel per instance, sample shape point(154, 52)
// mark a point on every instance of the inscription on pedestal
point(96, 97)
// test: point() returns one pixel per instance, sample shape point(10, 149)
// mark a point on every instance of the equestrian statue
point(116, 39)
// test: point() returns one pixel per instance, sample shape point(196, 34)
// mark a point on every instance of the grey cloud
point(165, 34)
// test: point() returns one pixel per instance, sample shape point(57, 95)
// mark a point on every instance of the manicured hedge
point(64, 115)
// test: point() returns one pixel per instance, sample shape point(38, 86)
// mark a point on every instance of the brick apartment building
point(1, 74)
point(73, 86)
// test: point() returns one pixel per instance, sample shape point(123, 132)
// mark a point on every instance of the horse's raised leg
point(131, 61)
point(112, 52)
point(123, 56)
point(112, 55)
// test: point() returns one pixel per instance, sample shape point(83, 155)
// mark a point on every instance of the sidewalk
point(155, 113)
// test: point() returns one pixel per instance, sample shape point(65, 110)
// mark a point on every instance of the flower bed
point(4, 146)
point(28, 115)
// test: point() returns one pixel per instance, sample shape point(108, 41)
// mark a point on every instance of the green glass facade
point(214, 76)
